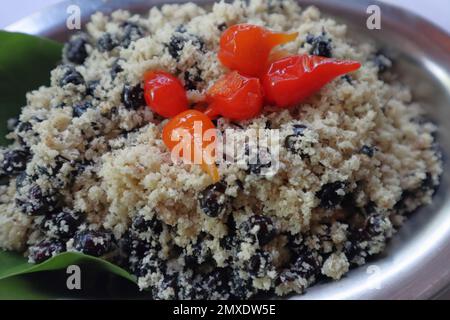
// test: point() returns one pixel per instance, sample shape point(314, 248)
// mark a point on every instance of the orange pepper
point(190, 120)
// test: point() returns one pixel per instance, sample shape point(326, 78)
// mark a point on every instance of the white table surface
point(438, 11)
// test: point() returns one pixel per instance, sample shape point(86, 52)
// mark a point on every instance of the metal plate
point(416, 264)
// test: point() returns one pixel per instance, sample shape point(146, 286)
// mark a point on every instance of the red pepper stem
point(276, 39)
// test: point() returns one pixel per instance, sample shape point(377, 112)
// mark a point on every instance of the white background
point(437, 11)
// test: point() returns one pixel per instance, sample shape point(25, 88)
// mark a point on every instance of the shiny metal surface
point(416, 264)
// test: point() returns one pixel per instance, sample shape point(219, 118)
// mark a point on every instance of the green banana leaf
point(47, 280)
point(25, 65)
point(13, 264)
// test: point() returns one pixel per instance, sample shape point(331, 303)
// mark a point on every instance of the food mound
point(90, 167)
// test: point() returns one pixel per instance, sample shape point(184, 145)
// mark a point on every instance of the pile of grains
point(88, 171)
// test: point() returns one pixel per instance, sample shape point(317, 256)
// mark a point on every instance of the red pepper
point(289, 81)
point(164, 94)
point(235, 97)
point(246, 48)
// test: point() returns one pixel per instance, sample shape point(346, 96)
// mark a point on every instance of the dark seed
point(321, 45)
point(167, 288)
point(75, 50)
point(217, 282)
point(299, 129)
point(113, 111)
point(151, 264)
point(240, 288)
point(94, 242)
point(45, 250)
point(428, 183)
point(199, 254)
point(371, 228)
point(348, 79)
point(296, 246)
point(38, 119)
point(261, 227)
point(64, 224)
point(116, 68)
point(353, 250)
point(131, 33)
point(222, 26)
point(192, 78)
point(133, 246)
point(80, 109)
point(259, 263)
point(372, 231)
point(140, 224)
point(14, 161)
point(178, 41)
point(259, 161)
point(197, 289)
point(213, 200)
point(71, 76)
point(175, 45)
point(81, 167)
point(374, 226)
point(190, 291)
point(133, 97)
point(401, 204)
point(35, 202)
point(290, 143)
point(328, 195)
point(230, 240)
point(370, 208)
point(91, 86)
point(20, 180)
point(307, 265)
point(24, 127)
point(106, 43)
point(286, 276)
point(367, 150)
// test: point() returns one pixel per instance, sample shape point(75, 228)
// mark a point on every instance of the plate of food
point(227, 150)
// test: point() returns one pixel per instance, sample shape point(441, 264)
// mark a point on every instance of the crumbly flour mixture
point(87, 170)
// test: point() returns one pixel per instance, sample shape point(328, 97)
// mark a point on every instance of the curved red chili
point(291, 80)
